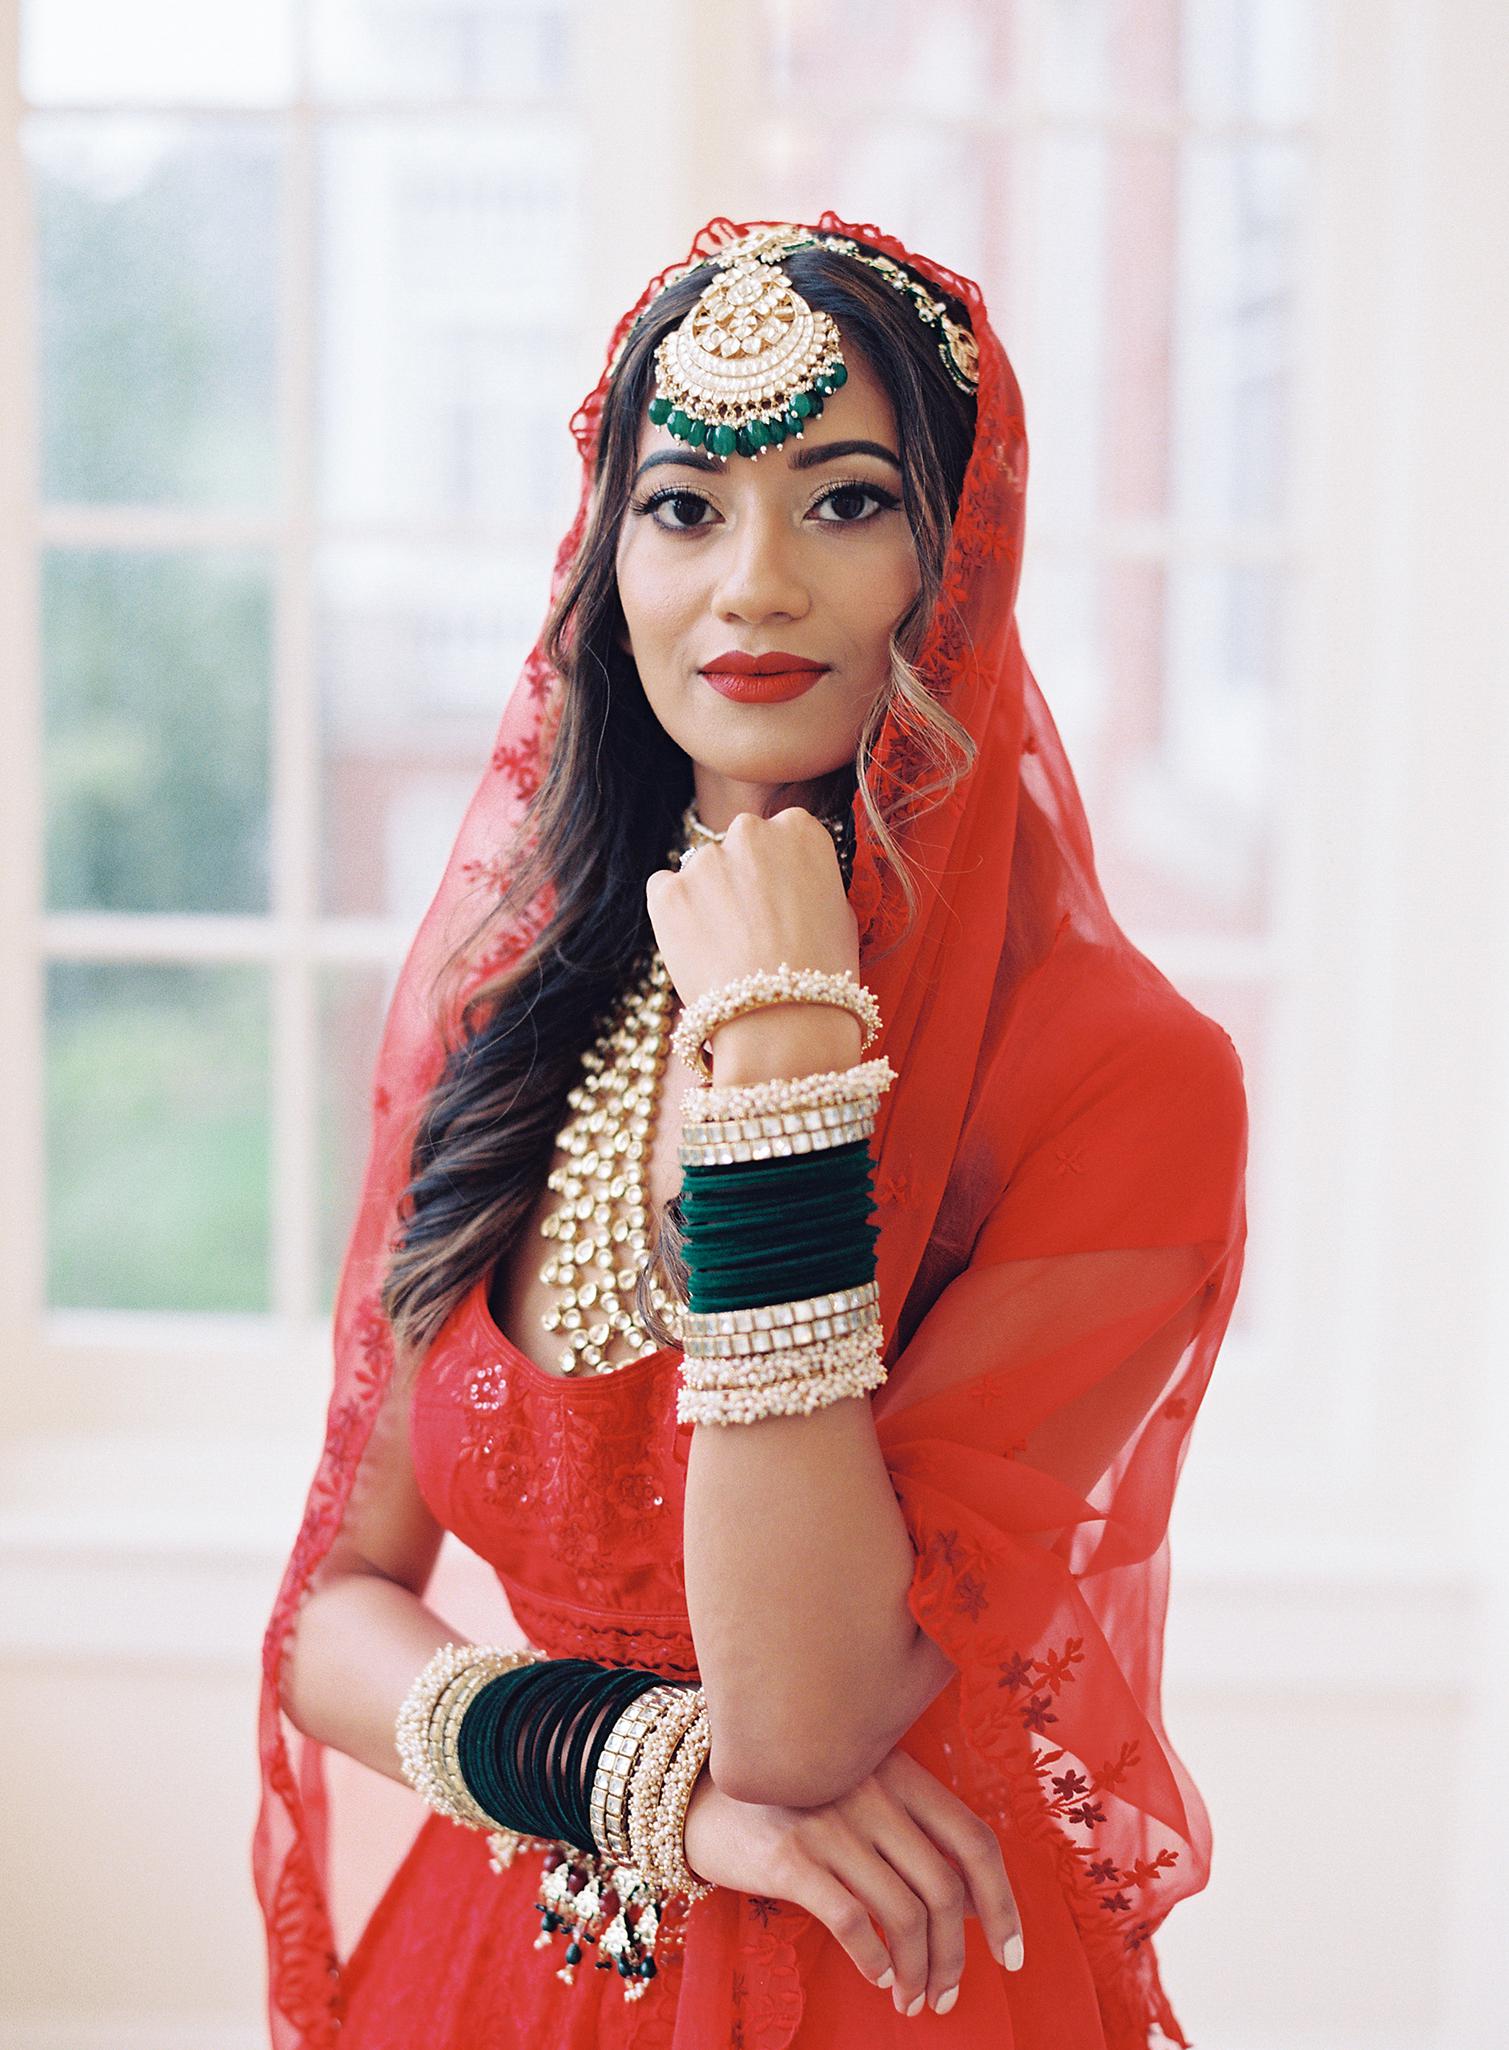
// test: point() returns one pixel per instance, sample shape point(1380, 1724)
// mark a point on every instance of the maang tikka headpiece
point(752, 362)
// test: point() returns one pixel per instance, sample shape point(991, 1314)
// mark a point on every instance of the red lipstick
point(762, 679)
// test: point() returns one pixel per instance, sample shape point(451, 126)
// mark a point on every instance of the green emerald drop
point(837, 374)
point(804, 405)
point(758, 433)
point(723, 441)
point(776, 429)
point(660, 411)
point(679, 424)
point(696, 434)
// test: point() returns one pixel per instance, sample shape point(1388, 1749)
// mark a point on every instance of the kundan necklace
point(598, 1233)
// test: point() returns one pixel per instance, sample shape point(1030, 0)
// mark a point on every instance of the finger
point(824, 1895)
point(940, 1886)
point(955, 1829)
point(900, 1911)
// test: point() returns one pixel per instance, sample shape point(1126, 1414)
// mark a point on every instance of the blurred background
point(296, 298)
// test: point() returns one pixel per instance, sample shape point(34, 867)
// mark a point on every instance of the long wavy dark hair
point(609, 806)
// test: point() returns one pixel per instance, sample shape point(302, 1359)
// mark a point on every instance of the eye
point(849, 496)
point(687, 505)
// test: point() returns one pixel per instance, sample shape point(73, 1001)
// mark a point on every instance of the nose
point(759, 573)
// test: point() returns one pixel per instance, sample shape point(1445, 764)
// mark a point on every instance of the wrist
point(784, 1040)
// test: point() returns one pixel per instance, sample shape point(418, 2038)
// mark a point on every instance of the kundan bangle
point(778, 1327)
point(773, 1137)
point(615, 1769)
point(783, 985)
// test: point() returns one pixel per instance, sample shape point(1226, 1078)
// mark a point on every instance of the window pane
point(448, 287)
point(1235, 313)
point(1164, 685)
point(157, 1109)
point(930, 184)
point(441, 49)
point(352, 1005)
point(157, 50)
point(951, 59)
point(156, 672)
point(419, 649)
point(157, 289)
point(1250, 58)
point(1061, 371)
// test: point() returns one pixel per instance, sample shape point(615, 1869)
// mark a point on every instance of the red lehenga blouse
point(1059, 1182)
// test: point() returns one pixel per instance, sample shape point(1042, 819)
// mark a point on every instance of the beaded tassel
point(608, 1905)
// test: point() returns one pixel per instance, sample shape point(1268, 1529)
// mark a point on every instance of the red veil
point(1059, 1177)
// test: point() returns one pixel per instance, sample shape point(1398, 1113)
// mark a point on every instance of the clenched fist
point(771, 891)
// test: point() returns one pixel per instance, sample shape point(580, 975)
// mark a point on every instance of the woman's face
point(803, 551)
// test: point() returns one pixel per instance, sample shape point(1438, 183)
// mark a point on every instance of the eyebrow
point(799, 459)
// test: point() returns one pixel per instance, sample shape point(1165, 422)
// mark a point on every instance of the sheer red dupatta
point(1059, 1180)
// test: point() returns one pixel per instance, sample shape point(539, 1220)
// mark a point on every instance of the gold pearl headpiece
point(752, 362)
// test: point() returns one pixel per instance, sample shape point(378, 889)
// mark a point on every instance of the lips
point(762, 679)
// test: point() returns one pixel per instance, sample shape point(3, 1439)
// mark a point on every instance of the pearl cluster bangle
point(732, 1391)
point(864, 1084)
point(783, 985)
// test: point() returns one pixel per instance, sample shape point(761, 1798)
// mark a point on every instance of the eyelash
point(887, 500)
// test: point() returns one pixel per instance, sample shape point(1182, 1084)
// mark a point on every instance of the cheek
point(877, 589)
point(655, 594)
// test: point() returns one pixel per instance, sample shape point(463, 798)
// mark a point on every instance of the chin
point(772, 765)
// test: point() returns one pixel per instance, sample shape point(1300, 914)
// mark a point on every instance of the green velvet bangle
point(761, 1232)
point(784, 1171)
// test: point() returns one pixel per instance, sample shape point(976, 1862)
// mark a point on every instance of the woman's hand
point(771, 891)
point(900, 1847)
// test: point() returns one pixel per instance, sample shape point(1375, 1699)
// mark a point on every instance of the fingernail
point(945, 2000)
point(918, 2004)
point(886, 1980)
point(1012, 1953)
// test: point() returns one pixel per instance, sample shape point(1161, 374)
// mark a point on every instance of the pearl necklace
point(598, 1233)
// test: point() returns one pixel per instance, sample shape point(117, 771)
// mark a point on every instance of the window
point(302, 460)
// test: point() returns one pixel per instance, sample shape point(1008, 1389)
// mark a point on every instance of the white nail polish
point(946, 2000)
point(1012, 1953)
point(917, 2005)
point(886, 1980)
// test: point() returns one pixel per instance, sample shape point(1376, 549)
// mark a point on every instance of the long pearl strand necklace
point(598, 1234)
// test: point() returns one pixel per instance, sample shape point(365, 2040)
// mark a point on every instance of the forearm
point(357, 1644)
point(798, 1560)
